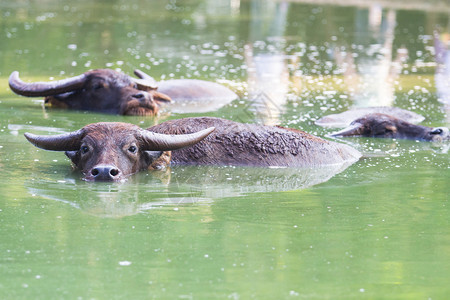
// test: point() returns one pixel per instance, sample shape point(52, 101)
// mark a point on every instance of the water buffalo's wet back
point(235, 143)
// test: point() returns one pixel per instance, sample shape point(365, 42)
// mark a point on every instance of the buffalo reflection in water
point(179, 186)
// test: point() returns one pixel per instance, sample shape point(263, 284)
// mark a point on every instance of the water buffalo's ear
point(355, 129)
point(74, 157)
point(160, 97)
point(158, 160)
point(61, 97)
point(151, 156)
point(391, 128)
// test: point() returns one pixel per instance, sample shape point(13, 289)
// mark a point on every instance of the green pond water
point(379, 229)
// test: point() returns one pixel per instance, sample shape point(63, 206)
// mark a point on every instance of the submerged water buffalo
point(387, 126)
point(345, 118)
point(108, 91)
point(112, 151)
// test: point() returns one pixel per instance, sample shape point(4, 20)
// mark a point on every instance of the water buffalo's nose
point(105, 173)
point(440, 134)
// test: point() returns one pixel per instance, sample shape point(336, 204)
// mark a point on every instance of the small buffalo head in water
point(102, 90)
point(386, 126)
point(113, 151)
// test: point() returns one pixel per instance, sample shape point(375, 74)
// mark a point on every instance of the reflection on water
point(442, 73)
point(100, 199)
point(267, 73)
point(370, 75)
point(14, 129)
point(436, 6)
point(370, 61)
point(183, 185)
point(376, 230)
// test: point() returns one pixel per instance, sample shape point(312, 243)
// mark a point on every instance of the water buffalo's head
point(386, 126)
point(113, 151)
point(102, 90)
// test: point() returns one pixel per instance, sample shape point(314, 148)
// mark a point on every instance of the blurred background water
point(378, 229)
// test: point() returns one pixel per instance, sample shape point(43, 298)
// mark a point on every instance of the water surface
point(378, 229)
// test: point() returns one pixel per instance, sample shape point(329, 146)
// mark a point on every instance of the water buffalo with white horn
point(112, 151)
point(108, 91)
point(386, 126)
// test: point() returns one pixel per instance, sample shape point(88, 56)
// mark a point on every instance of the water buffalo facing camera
point(108, 91)
point(113, 151)
point(386, 126)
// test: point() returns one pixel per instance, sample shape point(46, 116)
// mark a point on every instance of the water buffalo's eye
point(132, 149)
point(84, 149)
point(98, 86)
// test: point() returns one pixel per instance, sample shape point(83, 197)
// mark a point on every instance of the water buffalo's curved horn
point(354, 129)
point(62, 142)
point(145, 81)
point(165, 142)
point(39, 89)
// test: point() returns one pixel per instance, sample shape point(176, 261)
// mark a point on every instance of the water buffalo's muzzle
point(439, 134)
point(104, 173)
